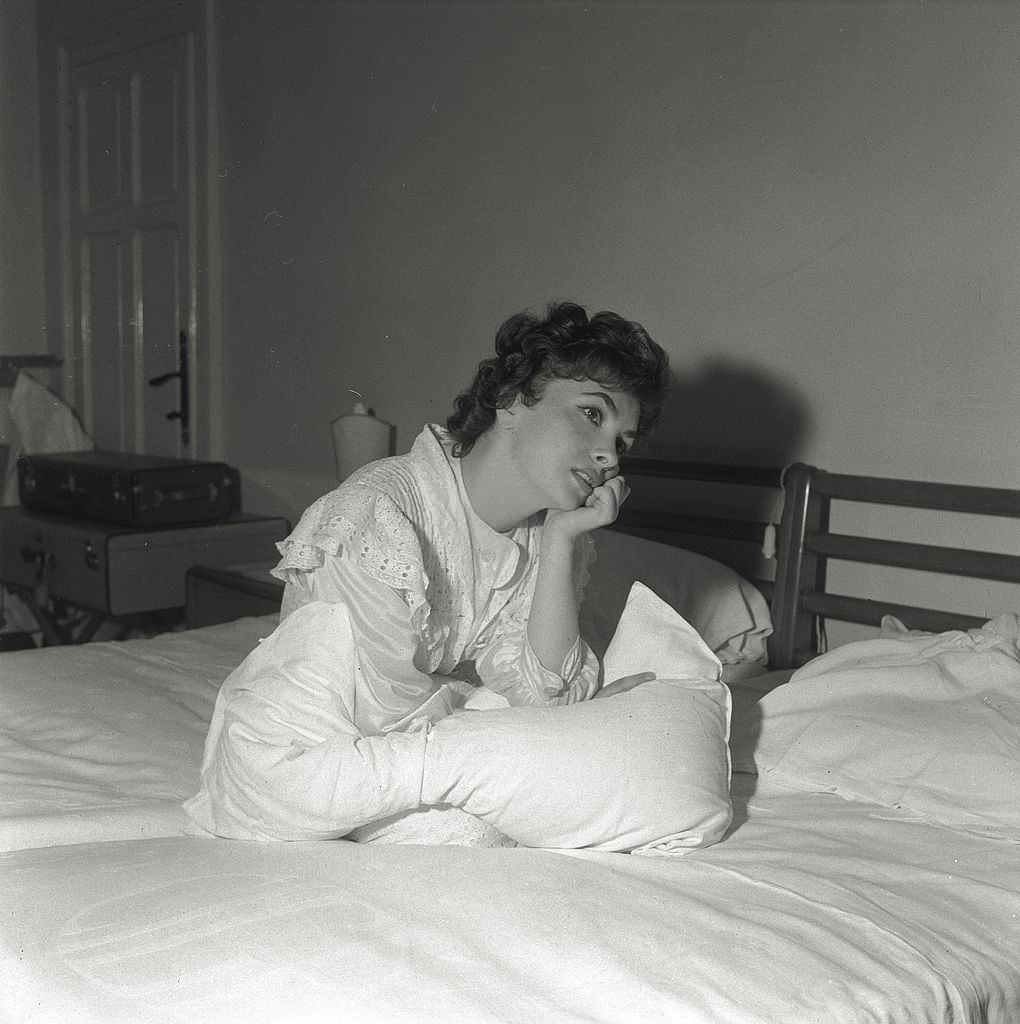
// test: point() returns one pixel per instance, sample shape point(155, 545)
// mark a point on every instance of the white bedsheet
point(104, 741)
point(815, 910)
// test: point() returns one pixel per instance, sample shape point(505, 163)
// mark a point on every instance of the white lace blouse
point(437, 598)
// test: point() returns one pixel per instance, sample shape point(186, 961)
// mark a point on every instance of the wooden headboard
point(801, 602)
point(797, 593)
point(726, 512)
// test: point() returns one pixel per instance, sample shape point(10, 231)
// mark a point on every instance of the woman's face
point(570, 441)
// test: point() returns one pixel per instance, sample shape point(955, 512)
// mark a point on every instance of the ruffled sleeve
point(369, 527)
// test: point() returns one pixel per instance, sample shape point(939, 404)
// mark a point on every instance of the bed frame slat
point(738, 535)
point(798, 599)
point(674, 522)
point(986, 565)
point(798, 570)
point(801, 604)
point(870, 613)
point(985, 501)
point(709, 472)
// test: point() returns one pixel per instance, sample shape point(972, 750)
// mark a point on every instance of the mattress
point(104, 741)
point(869, 873)
point(814, 908)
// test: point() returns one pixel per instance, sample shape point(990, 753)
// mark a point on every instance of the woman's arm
point(552, 622)
point(394, 683)
point(284, 758)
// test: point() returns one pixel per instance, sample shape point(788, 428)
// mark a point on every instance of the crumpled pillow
point(728, 611)
point(645, 771)
point(923, 722)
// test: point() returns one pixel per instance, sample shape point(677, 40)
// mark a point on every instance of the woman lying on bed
point(423, 575)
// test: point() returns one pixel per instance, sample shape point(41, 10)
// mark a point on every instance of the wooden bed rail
point(711, 472)
point(805, 544)
point(986, 501)
point(686, 529)
point(798, 597)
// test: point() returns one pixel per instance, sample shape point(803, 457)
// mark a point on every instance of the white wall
point(812, 206)
point(22, 313)
point(22, 299)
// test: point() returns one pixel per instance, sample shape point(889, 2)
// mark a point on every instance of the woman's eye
point(593, 413)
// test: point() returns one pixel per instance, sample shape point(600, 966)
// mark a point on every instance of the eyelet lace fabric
point(366, 523)
point(388, 517)
point(401, 521)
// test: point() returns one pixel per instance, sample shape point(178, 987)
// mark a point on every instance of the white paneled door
point(134, 234)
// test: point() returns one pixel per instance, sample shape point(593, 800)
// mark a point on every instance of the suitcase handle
point(154, 497)
point(77, 497)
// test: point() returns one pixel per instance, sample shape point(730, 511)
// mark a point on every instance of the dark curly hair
point(530, 351)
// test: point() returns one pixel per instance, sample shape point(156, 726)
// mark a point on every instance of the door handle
point(183, 413)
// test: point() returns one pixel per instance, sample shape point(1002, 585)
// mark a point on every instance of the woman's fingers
point(625, 683)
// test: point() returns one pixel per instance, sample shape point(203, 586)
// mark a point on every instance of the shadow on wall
point(732, 413)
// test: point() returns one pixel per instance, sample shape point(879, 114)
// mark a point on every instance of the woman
point(423, 576)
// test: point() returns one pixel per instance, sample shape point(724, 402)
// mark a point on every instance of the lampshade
point(360, 438)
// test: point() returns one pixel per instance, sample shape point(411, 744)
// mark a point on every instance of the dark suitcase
point(131, 490)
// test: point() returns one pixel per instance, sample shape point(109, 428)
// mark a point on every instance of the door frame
point(151, 21)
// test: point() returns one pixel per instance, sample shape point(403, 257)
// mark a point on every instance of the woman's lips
point(586, 481)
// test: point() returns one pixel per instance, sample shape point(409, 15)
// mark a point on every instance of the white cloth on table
point(41, 422)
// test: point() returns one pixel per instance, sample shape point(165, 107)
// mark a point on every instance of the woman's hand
point(623, 684)
point(552, 622)
point(600, 509)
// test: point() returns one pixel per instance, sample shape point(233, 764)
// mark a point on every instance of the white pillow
point(927, 722)
point(729, 612)
point(646, 770)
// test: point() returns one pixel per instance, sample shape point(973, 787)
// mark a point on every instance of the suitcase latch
point(91, 558)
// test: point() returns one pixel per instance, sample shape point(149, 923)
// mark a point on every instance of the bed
point(869, 873)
